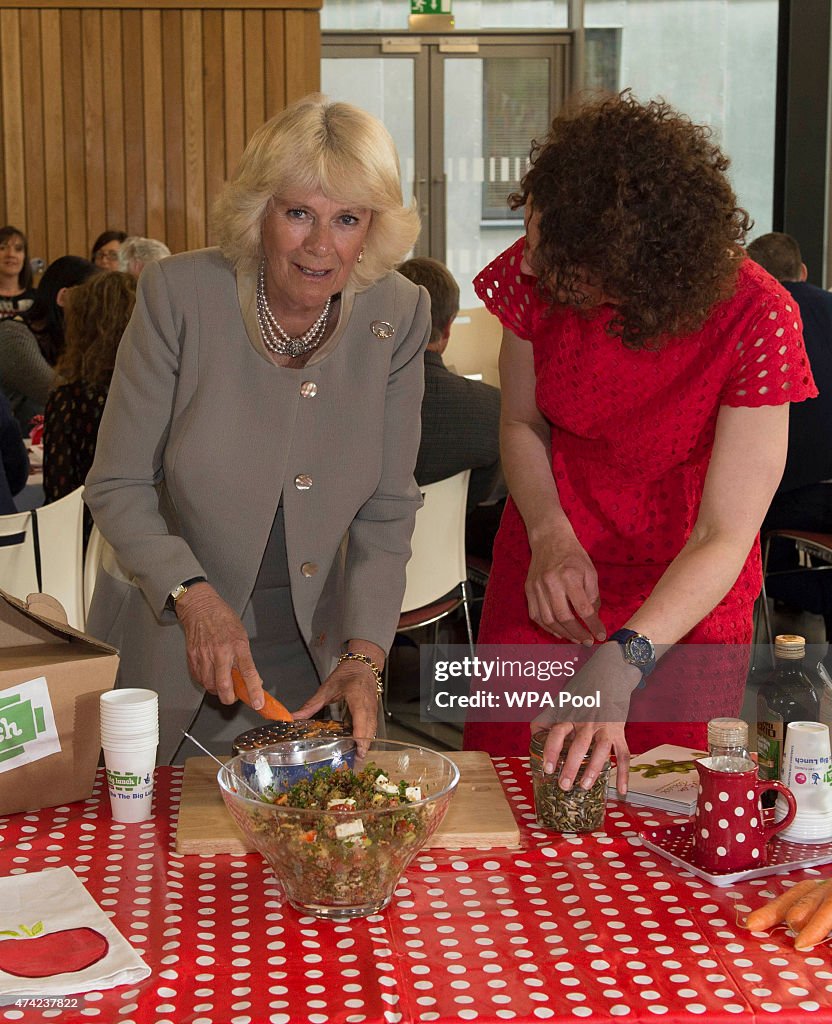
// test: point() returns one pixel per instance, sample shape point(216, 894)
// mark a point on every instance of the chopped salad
point(329, 838)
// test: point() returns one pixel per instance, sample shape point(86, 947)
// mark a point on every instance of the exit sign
point(430, 6)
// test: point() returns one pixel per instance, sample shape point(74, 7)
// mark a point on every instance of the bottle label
point(769, 748)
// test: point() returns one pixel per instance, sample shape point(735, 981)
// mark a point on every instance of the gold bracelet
point(350, 656)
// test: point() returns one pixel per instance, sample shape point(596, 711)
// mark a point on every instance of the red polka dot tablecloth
point(563, 929)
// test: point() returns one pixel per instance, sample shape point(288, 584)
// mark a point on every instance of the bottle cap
point(727, 732)
point(789, 647)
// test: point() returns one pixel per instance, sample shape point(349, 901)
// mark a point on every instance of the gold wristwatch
point(177, 592)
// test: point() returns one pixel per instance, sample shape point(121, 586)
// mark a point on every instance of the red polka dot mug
point(729, 830)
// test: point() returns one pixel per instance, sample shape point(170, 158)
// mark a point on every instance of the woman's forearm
point(692, 586)
point(525, 452)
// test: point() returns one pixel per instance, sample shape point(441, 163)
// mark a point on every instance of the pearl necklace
point(275, 337)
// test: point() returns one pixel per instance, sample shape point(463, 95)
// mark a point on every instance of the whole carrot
point(774, 911)
point(819, 925)
point(798, 914)
point(272, 709)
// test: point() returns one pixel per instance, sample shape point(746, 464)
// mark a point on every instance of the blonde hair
point(334, 148)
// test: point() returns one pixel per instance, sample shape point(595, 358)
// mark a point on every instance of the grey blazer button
point(303, 481)
point(309, 569)
point(308, 389)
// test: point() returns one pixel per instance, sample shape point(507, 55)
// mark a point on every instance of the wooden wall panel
point(173, 91)
point(92, 78)
point(194, 140)
point(77, 236)
point(35, 220)
point(11, 73)
point(115, 155)
point(132, 113)
point(53, 139)
point(255, 84)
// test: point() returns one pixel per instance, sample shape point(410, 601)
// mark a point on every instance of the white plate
point(676, 844)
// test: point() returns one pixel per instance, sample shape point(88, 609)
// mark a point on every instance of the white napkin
point(36, 456)
point(52, 901)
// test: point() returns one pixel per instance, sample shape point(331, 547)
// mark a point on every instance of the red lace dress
point(632, 433)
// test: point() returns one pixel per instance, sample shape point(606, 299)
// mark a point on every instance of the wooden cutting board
point(479, 814)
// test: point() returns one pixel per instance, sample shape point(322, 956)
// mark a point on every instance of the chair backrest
point(437, 563)
point(18, 560)
point(92, 561)
point(474, 345)
point(61, 543)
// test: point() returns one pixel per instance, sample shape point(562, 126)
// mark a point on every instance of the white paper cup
point(807, 771)
point(129, 719)
point(129, 697)
point(130, 781)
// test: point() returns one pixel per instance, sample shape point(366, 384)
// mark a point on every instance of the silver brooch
point(382, 329)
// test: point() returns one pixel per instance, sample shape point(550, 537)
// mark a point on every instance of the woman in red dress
point(646, 369)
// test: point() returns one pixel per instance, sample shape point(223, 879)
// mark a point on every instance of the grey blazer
point(201, 435)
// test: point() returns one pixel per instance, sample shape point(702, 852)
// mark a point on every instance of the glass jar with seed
point(578, 810)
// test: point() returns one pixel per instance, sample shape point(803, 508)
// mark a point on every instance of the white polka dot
point(755, 852)
point(695, 1008)
point(723, 796)
point(740, 838)
point(723, 823)
point(739, 811)
point(708, 805)
point(704, 833)
point(721, 851)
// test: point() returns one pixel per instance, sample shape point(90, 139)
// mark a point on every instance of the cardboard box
point(51, 678)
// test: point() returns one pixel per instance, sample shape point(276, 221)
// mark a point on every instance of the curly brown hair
point(95, 315)
point(635, 198)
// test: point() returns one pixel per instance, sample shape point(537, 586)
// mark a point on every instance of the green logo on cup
point(20, 723)
point(126, 782)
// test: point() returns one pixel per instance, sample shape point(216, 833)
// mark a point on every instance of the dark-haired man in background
point(460, 417)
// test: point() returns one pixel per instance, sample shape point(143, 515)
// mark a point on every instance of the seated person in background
point(106, 250)
point(136, 251)
point(460, 417)
point(30, 344)
point(16, 291)
point(804, 498)
point(14, 459)
point(95, 317)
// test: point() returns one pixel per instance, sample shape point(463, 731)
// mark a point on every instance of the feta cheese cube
point(387, 788)
point(413, 793)
point(347, 829)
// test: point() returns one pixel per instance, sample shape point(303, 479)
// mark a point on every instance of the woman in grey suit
point(254, 466)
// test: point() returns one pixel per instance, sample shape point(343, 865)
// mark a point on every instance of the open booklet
point(664, 777)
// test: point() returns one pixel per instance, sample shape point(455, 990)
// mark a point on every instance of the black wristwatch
point(637, 649)
point(177, 592)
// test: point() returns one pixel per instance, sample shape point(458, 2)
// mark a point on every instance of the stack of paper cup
point(130, 736)
point(807, 771)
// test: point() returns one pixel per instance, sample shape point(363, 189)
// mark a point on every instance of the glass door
point(463, 112)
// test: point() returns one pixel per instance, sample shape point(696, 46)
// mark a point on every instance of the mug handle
point(777, 826)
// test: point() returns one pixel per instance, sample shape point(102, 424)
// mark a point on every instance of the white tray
point(676, 844)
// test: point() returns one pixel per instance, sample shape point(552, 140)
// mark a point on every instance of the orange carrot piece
point(798, 914)
point(272, 709)
point(774, 911)
point(819, 925)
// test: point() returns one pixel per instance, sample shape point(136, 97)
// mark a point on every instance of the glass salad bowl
point(339, 841)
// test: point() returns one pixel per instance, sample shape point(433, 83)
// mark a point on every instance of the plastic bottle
point(787, 695)
point(728, 745)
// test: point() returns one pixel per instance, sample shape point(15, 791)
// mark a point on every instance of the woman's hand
point(562, 588)
point(602, 728)
point(355, 683)
point(216, 640)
